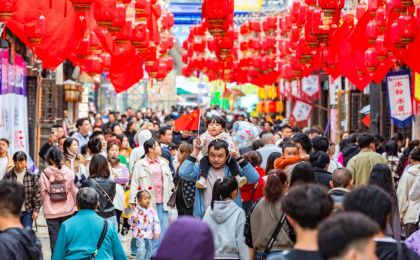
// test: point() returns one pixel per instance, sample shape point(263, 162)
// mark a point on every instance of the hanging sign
point(399, 94)
point(294, 85)
point(334, 86)
point(310, 87)
point(301, 111)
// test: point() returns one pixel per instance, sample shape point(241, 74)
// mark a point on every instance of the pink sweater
point(61, 208)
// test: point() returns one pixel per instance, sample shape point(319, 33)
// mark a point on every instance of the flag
point(188, 122)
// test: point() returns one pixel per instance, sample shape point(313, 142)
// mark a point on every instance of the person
point(341, 184)
point(100, 180)
point(112, 120)
point(183, 136)
point(58, 193)
point(218, 151)
point(216, 130)
point(227, 220)
point(348, 236)
point(194, 233)
point(288, 157)
point(302, 173)
point(124, 122)
point(57, 132)
point(16, 242)
point(320, 144)
point(399, 140)
point(320, 161)
point(304, 146)
point(6, 160)
point(152, 173)
point(408, 207)
point(165, 138)
point(252, 193)
point(305, 207)
point(125, 149)
point(381, 176)
point(78, 236)
point(138, 152)
point(391, 154)
point(413, 242)
point(375, 203)
point(361, 164)
point(145, 225)
point(268, 148)
point(351, 148)
point(120, 174)
point(334, 163)
point(185, 189)
point(32, 190)
point(82, 136)
point(270, 161)
point(267, 128)
point(265, 217)
point(257, 144)
point(131, 133)
point(61, 142)
point(286, 132)
point(404, 158)
point(75, 161)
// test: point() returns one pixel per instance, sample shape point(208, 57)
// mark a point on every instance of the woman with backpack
point(58, 193)
point(227, 220)
point(101, 181)
point(264, 219)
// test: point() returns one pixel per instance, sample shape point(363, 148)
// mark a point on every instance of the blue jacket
point(189, 171)
point(79, 235)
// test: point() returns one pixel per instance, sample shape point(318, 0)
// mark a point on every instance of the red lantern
point(270, 24)
point(381, 49)
point(93, 65)
point(7, 7)
point(381, 19)
point(152, 68)
point(140, 37)
point(150, 55)
point(218, 15)
point(371, 60)
point(94, 44)
point(244, 29)
point(106, 61)
point(119, 20)
point(401, 6)
point(360, 10)
point(142, 9)
point(123, 37)
point(126, 2)
point(225, 45)
point(83, 50)
point(331, 7)
point(162, 70)
point(408, 28)
point(34, 31)
point(82, 5)
point(167, 21)
point(169, 62)
point(104, 12)
point(372, 31)
point(255, 26)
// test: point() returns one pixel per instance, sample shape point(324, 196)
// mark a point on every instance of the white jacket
point(143, 177)
point(407, 206)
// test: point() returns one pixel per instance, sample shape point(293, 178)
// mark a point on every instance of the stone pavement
point(42, 234)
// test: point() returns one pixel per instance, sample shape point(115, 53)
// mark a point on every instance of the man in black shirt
point(375, 203)
point(305, 207)
point(57, 132)
point(15, 241)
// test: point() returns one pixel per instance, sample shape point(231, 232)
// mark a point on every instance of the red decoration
point(218, 15)
point(104, 12)
point(188, 122)
point(34, 31)
point(119, 20)
point(142, 8)
point(82, 5)
point(7, 7)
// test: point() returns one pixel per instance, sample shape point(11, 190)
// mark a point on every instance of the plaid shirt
point(32, 189)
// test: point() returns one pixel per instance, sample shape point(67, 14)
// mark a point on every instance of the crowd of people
point(290, 194)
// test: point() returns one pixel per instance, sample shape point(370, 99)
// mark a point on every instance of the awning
point(181, 91)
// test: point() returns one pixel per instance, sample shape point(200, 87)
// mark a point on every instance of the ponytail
point(55, 156)
point(223, 188)
point(95, 145)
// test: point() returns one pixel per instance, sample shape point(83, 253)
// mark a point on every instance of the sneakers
point(201, 183)
point(240, 180)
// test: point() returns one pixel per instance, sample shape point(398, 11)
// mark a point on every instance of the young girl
point(145, 225)
point(227, 221)
point(216, 130)
point(119, 172)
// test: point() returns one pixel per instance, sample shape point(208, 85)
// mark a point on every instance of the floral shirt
point(147, 223)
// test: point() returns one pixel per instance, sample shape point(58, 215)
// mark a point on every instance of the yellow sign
point(417, 87)
point(248, 5)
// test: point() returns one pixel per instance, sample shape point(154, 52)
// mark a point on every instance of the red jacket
point(248, 189)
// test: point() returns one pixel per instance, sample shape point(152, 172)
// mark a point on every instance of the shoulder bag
point(106, 194)
point(273, 237)
point(101, 239)
point(172, 200)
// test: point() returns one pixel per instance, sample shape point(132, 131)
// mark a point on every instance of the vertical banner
point(334, 86)
point(310, 87)
point(13, 103)
point(399, 94)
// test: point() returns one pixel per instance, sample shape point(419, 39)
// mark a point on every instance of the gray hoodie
point(227, 222)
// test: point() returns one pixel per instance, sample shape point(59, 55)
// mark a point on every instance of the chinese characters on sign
point(334, 86)
point(400, 98)
point(310, 85)
point(301, 111)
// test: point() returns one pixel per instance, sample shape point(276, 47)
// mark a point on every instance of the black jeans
point(53, 228)
point(118, 215)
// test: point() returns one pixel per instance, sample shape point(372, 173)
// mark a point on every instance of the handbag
point(101, 239)
point(58, 188)
point(172, 200)
point(273, 238)
point(106, 194)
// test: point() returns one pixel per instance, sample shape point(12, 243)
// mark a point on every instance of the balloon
point(245, 133)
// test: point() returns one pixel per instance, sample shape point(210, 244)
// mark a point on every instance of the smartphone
point(54, 130)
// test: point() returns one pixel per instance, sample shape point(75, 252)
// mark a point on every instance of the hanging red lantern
point(93, 65)
point(407, 28)
point(360, 10)
point(106, 61)
point(34, 31)
point(119, 21)
point(255, 26)
point(218, 16)
point(126, 2)
point(82, 5)
point(186, 72)
point(142, 10)
point(169, 62)
point(7, 7)
point(94, 44)
point(123, 37)
point(381, 19)
point(150, 56)
point(225, 45)
point(167, 21)
point(83, 50)
point(152, 68)
point(372, 31)
point(162, 70)
point(331, 7)
point(301, 19)
point(269, 24)
point(381, 49)
point(244, 29)
point(371, 60)
point(104, 12)
point(140, 37)
point(401, 6)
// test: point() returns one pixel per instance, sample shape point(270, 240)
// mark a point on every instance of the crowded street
point(210, 129)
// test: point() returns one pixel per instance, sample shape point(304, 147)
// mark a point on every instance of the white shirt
point(3, 166)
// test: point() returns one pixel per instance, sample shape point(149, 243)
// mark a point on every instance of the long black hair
point(223, 188)
point(67, 143)
point(302, 173)
point(95, 145)
point(55, 156)
point(381, 176)
point(148, 145)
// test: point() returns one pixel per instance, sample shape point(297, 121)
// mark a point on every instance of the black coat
point(323, 177)
point(106, 193)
